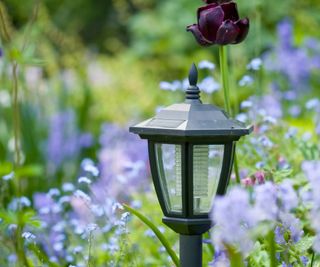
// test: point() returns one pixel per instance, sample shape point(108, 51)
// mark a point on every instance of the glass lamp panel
point(168, 157)
point(207, 165)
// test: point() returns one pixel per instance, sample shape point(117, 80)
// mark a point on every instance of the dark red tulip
point(219, 23)
point(216, 1)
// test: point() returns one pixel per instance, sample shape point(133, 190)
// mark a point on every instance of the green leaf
point(235, 257)
point(29, 218)
point(281, 175)
point(156, 231)
point(15, 54)
point(43, 258)
point(30, 171)
point(304, 243)
point(5, 168)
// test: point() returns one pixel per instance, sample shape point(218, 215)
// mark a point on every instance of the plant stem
point(312, 259)
point(16, 118)
point(224, 76)
point(236, 168)
point(272, 249)
point(89, 249)
point(156, 231)
point(223, 54)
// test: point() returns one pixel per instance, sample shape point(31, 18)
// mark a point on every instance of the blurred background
point(89, 69)
point(85, 66)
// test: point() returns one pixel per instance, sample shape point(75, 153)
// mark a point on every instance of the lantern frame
point(189, 124)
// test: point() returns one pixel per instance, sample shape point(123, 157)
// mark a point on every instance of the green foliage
point(159, 235)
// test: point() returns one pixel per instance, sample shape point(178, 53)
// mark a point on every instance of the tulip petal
point(202, 8)
point(243, 26)
point(209, 22)
point(216, 1)
point(230, 11)
point(198, 35)
point(227, 33)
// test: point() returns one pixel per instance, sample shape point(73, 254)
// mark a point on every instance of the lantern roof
point(192, 118)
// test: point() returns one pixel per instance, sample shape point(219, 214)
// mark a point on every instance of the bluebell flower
point(206, 64)
point(312, 172)
point(313, 103)
point(265, 196)
point(28, 236)
point(293, 225)
point(287, 195)
point(242, 117)
point(173, 86)
point(292, 132)
point(12, 258)
point(209, 85)
point(19, 203)
point(279, 236)
point(123, 162)
point(246, 104)
point(295, 111)
point(65, 141)
point(255, 64)
point(8, 177)
point(294, 63)
point(246, 80)
point(68, 187)
point(232, 227)
point(289, 95)
point(304, 260)
point(84, 180)
point(220, 258)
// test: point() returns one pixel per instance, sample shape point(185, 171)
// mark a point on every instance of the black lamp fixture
point(191, 149)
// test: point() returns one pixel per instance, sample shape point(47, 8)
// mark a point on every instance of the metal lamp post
point(191, 147)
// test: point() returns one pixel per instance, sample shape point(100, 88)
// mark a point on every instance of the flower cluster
point(65, 141)
point(240, 218)
point(123, 161)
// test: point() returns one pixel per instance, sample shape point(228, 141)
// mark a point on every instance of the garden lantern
point(191, 148)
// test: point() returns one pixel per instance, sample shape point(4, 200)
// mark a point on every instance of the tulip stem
point(223, 53)
point(224, 76)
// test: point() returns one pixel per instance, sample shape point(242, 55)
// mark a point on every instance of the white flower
point(255, 64)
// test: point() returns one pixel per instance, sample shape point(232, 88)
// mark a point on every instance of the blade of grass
point(156, 231)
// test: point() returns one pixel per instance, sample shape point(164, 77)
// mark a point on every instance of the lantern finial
point(192, 93)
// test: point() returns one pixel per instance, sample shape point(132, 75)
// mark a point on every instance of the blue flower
point(209, 85)
point(255, 64)
point(205, 64)
point(246, 81)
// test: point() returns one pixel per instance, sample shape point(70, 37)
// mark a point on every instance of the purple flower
point(260, 177)
point(220, 258)
point(292, 225)
point(287, 196)
point(279, 235)
point(209, 85)
point(123, 161)
point(266, 201)
point(65, 141)
point(312, 171)
point(296, 64)
point(219, 23)
point(232, 227)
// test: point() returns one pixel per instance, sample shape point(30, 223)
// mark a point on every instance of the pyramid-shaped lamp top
point(192, 118)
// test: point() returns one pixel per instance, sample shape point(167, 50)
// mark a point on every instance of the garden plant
point(75, 185)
